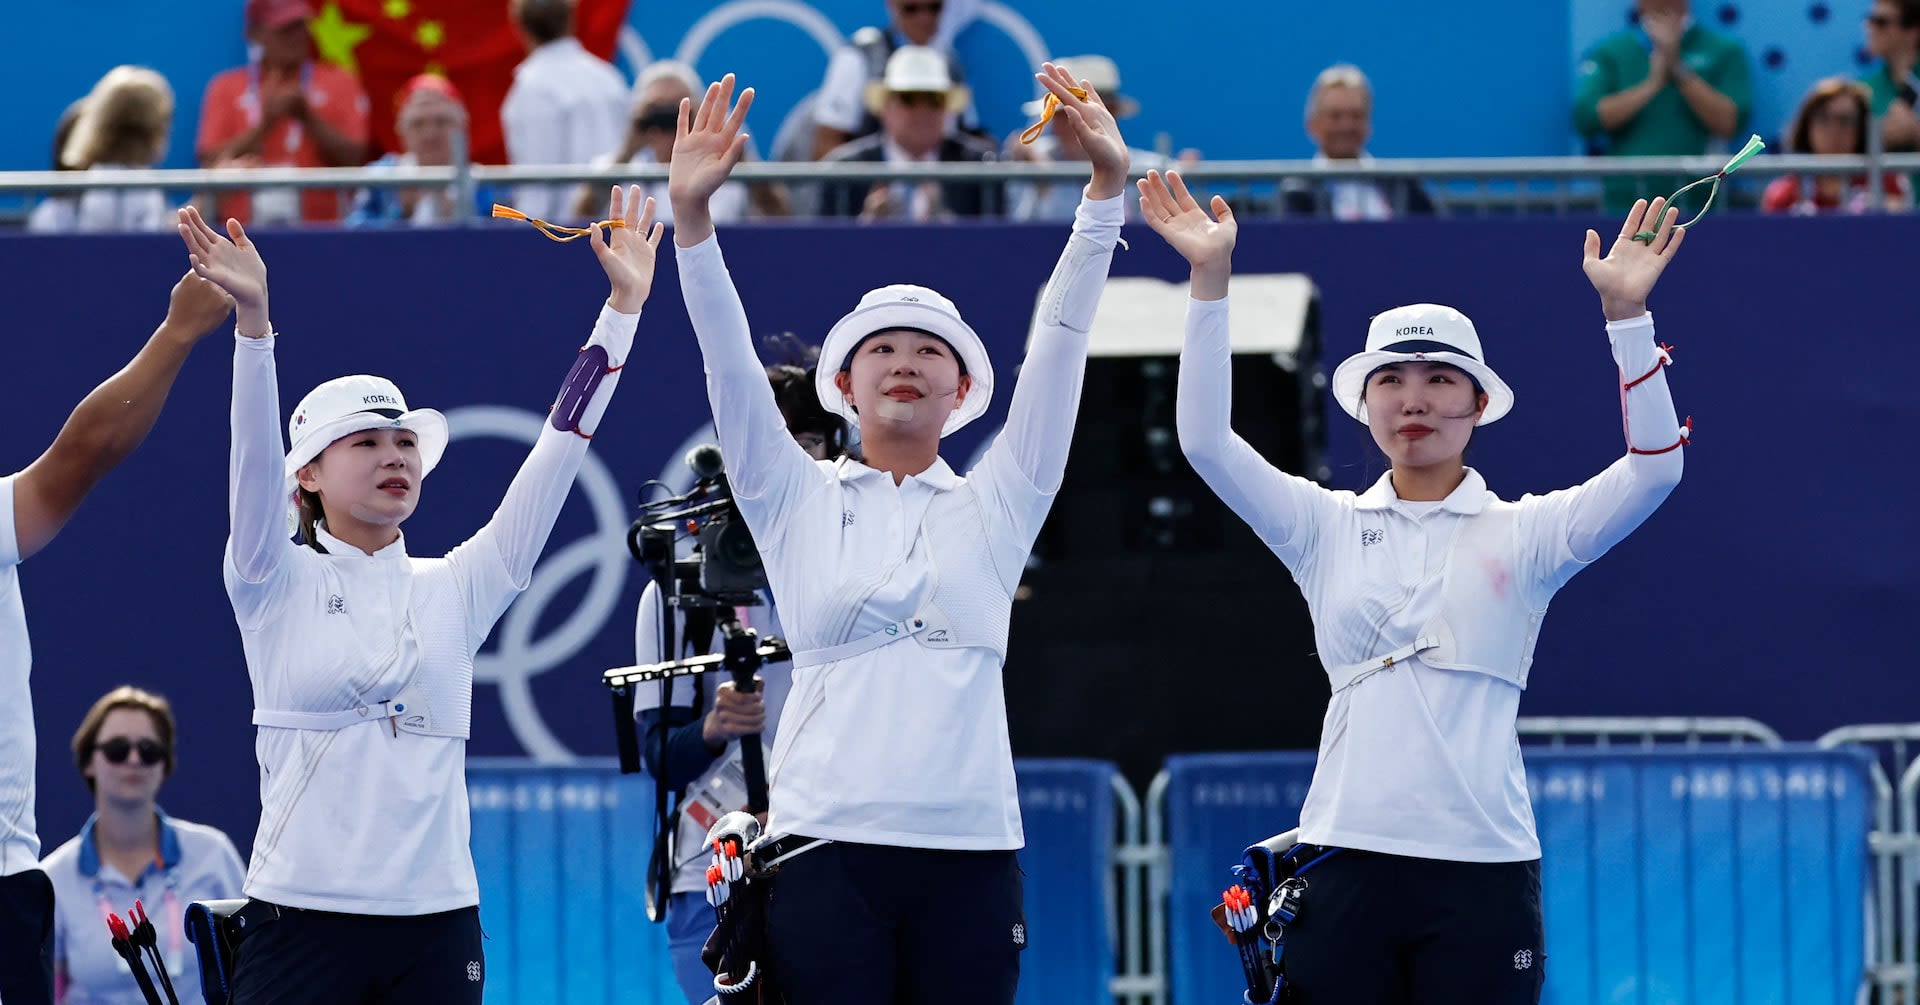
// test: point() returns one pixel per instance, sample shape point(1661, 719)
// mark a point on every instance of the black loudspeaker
point(1151, 619)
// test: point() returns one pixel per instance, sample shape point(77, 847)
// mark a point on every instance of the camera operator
point(706, 715)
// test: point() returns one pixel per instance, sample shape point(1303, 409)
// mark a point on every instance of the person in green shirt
point(1893, 35)
point(1666, 88)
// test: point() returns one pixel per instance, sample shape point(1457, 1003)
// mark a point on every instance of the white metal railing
point(1470, 184)
point(1895, 846)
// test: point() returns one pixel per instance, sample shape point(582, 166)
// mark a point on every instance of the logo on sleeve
point(1523, 959)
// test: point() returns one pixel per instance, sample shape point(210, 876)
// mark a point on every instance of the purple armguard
point(585, 377)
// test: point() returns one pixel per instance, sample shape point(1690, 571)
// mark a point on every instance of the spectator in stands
point(283, 109)
point(57, 210)
point(1893, 35)
point(1339, 118)
point(649, 140)
point(566, 106)
point(915, 102)
point(122, 125)
point(1427, 592)
point(130, 850)
point(432, 113)
point(1050, 201)
point(1833, 120)
point(1665, 88)
point(841, 112)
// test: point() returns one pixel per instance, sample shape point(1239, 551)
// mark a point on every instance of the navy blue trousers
point(858, 924)
point(361, 959)
point(1389, 930)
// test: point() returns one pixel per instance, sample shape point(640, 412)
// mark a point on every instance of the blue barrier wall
point(1668, 878)
point(1764, 587)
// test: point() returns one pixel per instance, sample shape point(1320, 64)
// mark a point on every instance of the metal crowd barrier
point(1467, 186)
point(1895, 843)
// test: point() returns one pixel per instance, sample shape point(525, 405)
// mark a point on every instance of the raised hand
point(1626, 276)
point(707, 144)
point(196, 307)
point(231, 262)
point(1094, 125)
point(1204, 239)
point(628, 253)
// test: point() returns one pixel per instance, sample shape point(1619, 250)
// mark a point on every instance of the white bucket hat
point(915, 308)
point(1100, 71)
point(1420, 332)
point(348, 405)
point(916, 68)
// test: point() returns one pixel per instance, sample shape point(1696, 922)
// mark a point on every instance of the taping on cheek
point(898, 411)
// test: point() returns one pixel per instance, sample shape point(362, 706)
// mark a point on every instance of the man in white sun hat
point(362, 887)
point(894, 816)
point(916, 102)
point(1427, 592)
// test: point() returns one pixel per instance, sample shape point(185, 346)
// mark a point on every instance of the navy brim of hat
point(428, 426)
point(1350, 379)
point(894, 315)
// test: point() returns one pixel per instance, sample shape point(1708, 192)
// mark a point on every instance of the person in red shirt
point(1832, 120)
point(283, 109)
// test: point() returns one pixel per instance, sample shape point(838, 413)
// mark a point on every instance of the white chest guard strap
point(406, 712)
point(1346, 676)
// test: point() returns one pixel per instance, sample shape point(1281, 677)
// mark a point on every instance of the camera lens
point(735, 549)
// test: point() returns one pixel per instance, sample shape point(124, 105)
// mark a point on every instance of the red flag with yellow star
point(470, 42)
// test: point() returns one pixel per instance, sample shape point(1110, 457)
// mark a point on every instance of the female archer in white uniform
point(1427, 593)
point(362, 887)
point(894, 813)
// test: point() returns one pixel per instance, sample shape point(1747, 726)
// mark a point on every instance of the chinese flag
point(471, 42)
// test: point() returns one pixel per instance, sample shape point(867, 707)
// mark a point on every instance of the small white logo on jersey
point(1523, 959)
point(1019, 935)
point(473, 971)
point(336, 604)
point(1369, 538)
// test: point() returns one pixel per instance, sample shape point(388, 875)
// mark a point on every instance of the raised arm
point(1046, 398)
point(256, 472)
point(1597, 514)
point(520, 526)
point(112, 419)
point(1278, 506)
point(765, 468)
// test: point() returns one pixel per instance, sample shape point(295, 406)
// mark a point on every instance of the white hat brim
point(865, 321)
point(1350, 378)
point(428, 426)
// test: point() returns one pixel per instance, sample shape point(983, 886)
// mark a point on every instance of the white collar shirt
point(905, 744)
point(921, 199)
point(19, 845)
point(566, 106)
point(1416, 760)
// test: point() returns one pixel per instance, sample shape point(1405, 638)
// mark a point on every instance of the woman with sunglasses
point(362, 886)
point(1427, 593)
point(130, 850)
point(894, 816)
